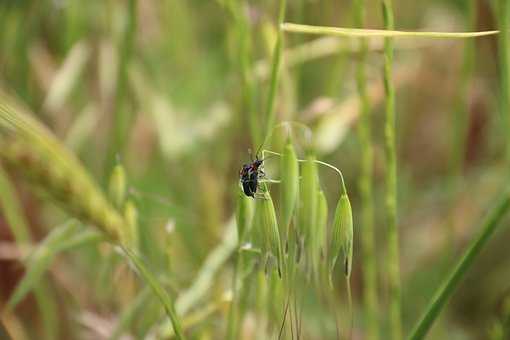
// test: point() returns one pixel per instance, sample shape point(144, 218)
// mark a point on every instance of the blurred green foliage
point(161, 86)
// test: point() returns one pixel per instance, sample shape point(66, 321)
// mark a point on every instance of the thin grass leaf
point(67, 77)
point(369, 33)
point(194, 318)
point(205, 277)
point(443, 293)
point(67, 236)
point(129, 313)
point(149, 278)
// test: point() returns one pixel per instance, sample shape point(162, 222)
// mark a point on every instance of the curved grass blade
point(444, 292)
point(128, 315)
point(158, 290)
point(371, 33)
point(64, 237)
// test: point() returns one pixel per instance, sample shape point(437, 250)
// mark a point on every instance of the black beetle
point(250, 175)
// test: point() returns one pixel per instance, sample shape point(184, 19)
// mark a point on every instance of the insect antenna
point(258, 149)
point(250, 153)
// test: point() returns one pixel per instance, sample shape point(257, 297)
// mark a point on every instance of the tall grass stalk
point(370, 298)
point(121, 119)
point(243, 31)
point(158, 290)
point(460, 119)
point(393, 260)
point(452, 281)
point(461, 110)
point(503, 19)
point(270, 114)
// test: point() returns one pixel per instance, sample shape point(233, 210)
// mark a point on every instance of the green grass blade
point(149, 278)
point(38, 262)
point(204, 280)
point(452, 281)
point(128, 315)
point(371, 33)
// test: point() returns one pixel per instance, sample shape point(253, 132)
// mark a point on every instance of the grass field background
point(124, 124)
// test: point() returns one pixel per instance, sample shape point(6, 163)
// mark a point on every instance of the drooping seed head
point(342, 235)
point(267, 226)
point(308, 199)
point(289, 186)
point(321, 226)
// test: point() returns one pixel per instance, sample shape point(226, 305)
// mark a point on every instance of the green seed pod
point(117, 186)
point(131, 217)
point(244, 215)
point(267, 226)
point(308, 201)
point(319, 244)
point(342, 235)
point(289, 185)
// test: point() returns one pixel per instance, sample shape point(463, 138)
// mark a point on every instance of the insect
point(250, 175)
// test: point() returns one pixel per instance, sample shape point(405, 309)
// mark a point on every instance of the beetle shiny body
point(250, 175)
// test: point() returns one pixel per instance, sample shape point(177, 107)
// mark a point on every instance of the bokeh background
point(161, 86)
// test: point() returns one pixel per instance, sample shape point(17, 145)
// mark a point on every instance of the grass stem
point(393, 265)
point(275, 71)
point(372, 33)
point(370, 299)
point(452, 281)
point(503, 19)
